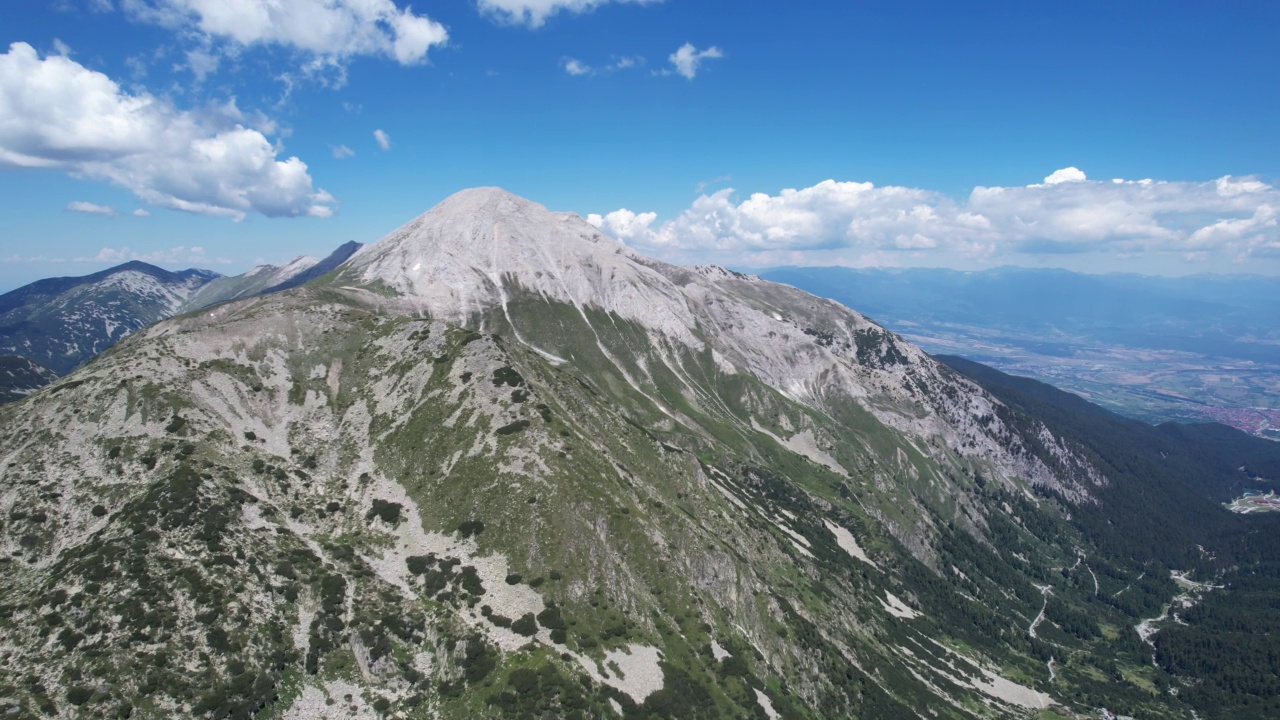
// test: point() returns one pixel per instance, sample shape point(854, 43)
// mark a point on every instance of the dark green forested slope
point(1164, 504)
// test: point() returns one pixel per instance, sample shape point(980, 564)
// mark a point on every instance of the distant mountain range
point(268, 278)
point(1192, 348)
point(62, 322)
point(59, 324)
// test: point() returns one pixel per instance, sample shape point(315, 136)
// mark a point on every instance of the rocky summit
point(499, 465)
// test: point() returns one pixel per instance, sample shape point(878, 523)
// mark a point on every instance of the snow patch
point(804, 444)
point(846, 541)
point(895, 607)
point(634, 670)
point(766, 704)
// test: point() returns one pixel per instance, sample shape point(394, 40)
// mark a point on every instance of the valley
point(1148, 384)
point(1197, 349)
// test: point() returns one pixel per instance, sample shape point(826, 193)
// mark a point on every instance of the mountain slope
point(497, 465)
point(1165, 503)
point(487, 258)
point(62, 322)
point(268, 278)
point(19, 377)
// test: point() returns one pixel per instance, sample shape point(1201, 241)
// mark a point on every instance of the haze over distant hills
point(1194, 348)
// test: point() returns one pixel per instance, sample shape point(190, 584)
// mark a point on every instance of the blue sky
point(938, 125)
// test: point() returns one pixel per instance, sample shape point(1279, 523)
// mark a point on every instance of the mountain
point(59, 324)
point(62, 322)
point(19, 377)
point(268, 278)
point(1196, 348)
point(499, 465)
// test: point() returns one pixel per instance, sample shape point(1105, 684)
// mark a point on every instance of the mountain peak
point(479, 247)
point(486, 195)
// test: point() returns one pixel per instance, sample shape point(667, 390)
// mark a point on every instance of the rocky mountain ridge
point(62, 322)
point(265, 279)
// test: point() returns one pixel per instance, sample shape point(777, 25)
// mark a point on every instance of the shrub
point(433, 581)
point(471, 581)
point(478, 660)
point(526, 625)
point(524, 681)
point(551, 619)
point(79, 695)
point(507, 376)
point(419, 564)
point(470, 527)
point(388, 511)
point(512, 428)
point(734, 666)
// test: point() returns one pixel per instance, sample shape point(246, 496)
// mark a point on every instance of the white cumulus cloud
point(331, 30)
point(342, 152)
point(141, 213)
point(1230, 219)
point(58, 114)
point(686, 60)
point(535, 12)
point(576, 67)
point(88, 208)
point(384, 140)
point(1066, 174)
point(194, 255)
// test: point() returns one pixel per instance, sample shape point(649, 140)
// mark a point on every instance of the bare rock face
point(464, 256)
point(473, 255)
